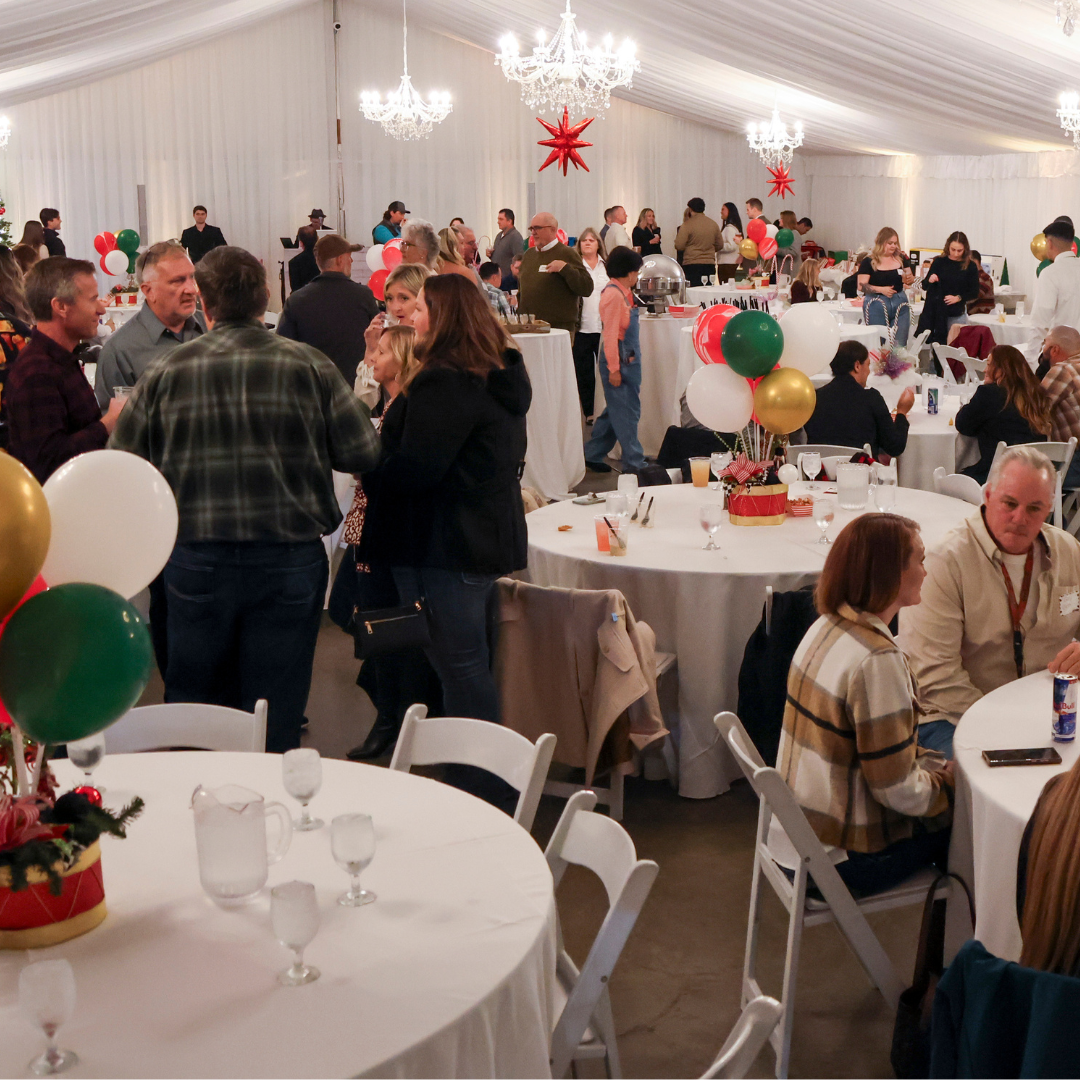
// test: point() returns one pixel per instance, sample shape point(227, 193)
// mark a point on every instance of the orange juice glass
point(602, 543)
point(699, 471)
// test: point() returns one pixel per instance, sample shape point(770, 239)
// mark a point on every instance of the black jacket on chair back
point(447, 491)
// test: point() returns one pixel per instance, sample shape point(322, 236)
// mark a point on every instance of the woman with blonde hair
point(883, 276)
point(587, 339)
point(646, 236)
point(450, 259)
point(807, 282)
point(400, 290)
point(1010, 406)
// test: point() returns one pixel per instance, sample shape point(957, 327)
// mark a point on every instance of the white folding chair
point(918, 344)
point(454, 740)
point(958, 486)
point(976, 369)
point(585, 1028)
point(271, 318)
point(824, 449)
point(838, 906)
point(202, 727)
point(944, 353)
point(1061, 454)
point(750, 1033)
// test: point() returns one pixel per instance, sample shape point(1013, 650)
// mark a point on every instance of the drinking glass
point(712, 517)
point(302, 774)
point(699, 471)
point(86, 754)
point(616, 502)
point(823, 515)
point(811, 466)
point(294, 915)
point(628, 485)
point(47, 1000)
point(719, 462)
point(352, 841)
point(886, 494)
point(618, 533)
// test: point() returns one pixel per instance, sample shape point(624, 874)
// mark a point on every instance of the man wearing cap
point(390, 227)
point(302, 267)
point(332, 311)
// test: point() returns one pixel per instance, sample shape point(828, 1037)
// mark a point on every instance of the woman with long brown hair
point(848, 746)
point(883, 277)
point(15, 327)
point(1010, 406)
point(445, 510)
point(805, 287)
point(951, 281)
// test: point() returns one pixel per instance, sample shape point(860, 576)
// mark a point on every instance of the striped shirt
point(848, 748)
point(246, 426)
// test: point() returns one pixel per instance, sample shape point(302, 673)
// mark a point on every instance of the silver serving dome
point(661, 277)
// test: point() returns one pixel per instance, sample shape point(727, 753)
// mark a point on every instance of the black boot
point(381, 739)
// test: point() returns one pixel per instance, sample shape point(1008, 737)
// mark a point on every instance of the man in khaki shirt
point(699, 240)
point(960, 639)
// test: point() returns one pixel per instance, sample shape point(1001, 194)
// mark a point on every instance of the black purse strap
point(931, 933)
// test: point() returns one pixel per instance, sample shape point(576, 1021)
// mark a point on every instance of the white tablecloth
point(994, 805)
point(660, 340)
point(448, 973)
point(849, 312)
point(707, 295)
point(702, 605)
point(1012, 331)
point(555, 458)
point(933, 441)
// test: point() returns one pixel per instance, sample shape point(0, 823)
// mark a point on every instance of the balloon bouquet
point(763, 241)
point(118, 251)
point(1038, 249)
point(381, 259)
point(75, 655)
point(755, 382)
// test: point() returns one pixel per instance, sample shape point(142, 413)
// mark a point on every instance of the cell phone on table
point(1038, 755)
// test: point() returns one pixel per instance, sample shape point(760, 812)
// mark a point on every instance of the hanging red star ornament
point(565, 142)
point(781, 181)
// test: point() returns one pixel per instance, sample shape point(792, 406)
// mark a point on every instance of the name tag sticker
point(1069, 601)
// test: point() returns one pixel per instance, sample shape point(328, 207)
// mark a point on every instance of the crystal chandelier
point(1066, 11)
point(772, 141)
point(1069, 116)
point(5, 132)
point(565, 73)
point(406, 115)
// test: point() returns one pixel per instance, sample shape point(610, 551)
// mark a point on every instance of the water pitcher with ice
point(852, 485)
point(230, 835)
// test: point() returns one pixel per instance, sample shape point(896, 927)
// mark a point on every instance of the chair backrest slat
point(188, 724)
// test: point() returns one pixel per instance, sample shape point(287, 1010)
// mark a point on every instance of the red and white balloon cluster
point(381, 259)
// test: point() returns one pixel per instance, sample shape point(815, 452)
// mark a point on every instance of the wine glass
point(86, 754)
point(47, 1000)
point(823, 515)
point(712, 517)
point(301, 772)
point(352, 841)
point(294, 915)
point(811, 464)
point(719, 462)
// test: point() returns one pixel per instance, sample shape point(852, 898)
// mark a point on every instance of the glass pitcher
point(230, 836)
point(852, 485)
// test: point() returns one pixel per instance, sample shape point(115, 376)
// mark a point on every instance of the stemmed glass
point(811, 464)
point(719, 462)
point(86, 754)
point(294, 915)
point(712, 517)
point(47, 1000)
point(823, 515)
point(352, 841)
point(302, 775)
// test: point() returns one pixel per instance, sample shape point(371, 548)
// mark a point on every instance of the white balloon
point(114, 522)
point(787, 474)
point(116, 262)
point(374, 258)
point(718, 398)
point(811, 338)
point(771, 231)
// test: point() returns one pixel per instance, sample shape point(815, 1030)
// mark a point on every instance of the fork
point(637, 509)
point(648, 511)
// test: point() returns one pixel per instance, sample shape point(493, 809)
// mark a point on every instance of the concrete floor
point(675, 991)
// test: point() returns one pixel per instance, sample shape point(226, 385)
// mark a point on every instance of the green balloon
point(73, 660)
point(1042, 266)
point(127, 240)
point(752, 343)
point(132, 260)
point(785, 238)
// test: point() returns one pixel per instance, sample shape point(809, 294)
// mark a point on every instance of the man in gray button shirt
point(167, 319)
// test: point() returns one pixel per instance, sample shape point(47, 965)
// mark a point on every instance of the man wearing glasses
point(552, 279)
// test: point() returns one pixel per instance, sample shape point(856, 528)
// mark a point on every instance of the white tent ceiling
point(928, 76)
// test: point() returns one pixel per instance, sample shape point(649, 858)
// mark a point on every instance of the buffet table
point(449, 973)
point(703, 605)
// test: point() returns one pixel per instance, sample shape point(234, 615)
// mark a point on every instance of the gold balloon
point(25, 528)
point(1038, 247)
point(748, 249)
point(784, 400)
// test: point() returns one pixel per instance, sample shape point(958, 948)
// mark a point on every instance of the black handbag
point(910, 1055)
point(384, 630)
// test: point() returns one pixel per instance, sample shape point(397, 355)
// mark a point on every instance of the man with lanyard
point(1001, 599)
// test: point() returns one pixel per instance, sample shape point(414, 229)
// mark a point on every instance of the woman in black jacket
point(1010, 406)
point(950, 283)
point(445, 509)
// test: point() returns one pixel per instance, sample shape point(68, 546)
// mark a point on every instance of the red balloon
point(756, 230)
point(767, 248)
point(104, 242)
point(37, 587)
point(561, 236)
point(391, 253)
point(707, 332)
point(377, 283)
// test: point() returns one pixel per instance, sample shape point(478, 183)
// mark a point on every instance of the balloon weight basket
point(760, 505)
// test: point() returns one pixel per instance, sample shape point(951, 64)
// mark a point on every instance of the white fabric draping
point(449, 973)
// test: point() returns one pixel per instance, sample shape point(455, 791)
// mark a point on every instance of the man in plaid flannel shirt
point(1062, 386)
point(246, 426)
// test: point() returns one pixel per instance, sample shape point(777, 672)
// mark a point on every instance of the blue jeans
point(243, 620)
point(866, 875)
point(938, 735)
point(881, 310)
point(618, 423)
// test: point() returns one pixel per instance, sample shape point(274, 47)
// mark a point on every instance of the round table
point(848, 312)
point(703, 605)
point(555, 458)
point(707, 295)
point(448, 973)
point(993, 805)
point(932, 442)
point(1012, 331)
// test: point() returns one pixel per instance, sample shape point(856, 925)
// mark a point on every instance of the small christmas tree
point(5, 224)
